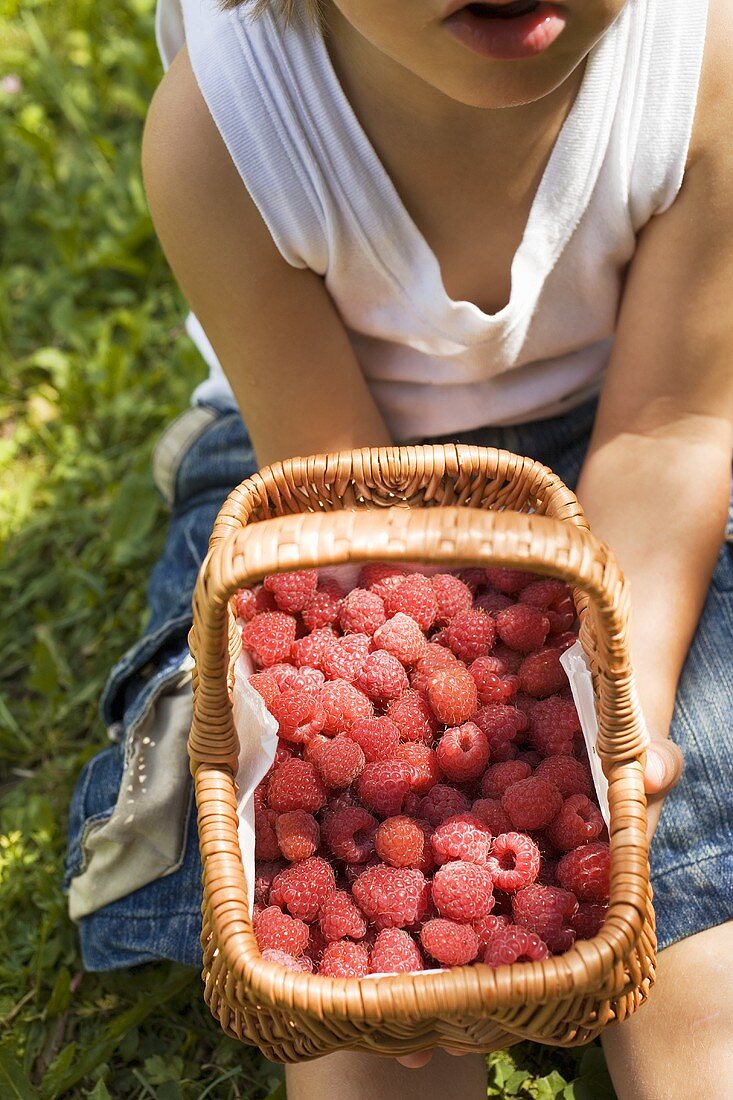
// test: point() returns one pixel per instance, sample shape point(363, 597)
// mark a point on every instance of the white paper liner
point(577, 667)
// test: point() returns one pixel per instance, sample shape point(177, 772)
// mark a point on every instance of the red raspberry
point(501, 724)
point(382, 677)
point(435, 658)
point(473, 577)
point(500, 777)
point(589, 919)
point(463, 752)
point(487, 925)
point(515, 944)
point(273, 928)
point(463, 837)
point(564, 641)
point(553, 725)
point(531, 757)
point(412, 715)
point(490, 813)
point(543, 909)
point(340, 761)
point(312, 749)
point(414, 596)
point(292, 591)
point(514, 861)
point(343, 704)
point(586, 871)
point(362, 612)
point(471, 634)
point(349, 834)
point(490, 685)
point(310, 649)
point(302, 965)
point(532, 803)
point(522, 627)
point(324, 606)
point(252, 601)
point(452, 595)
point(508, 581)
point(284, 675)
point(541, 674)
point(268, 637)
point(379, 738)
point(577, 822)
point(392, 897)
point(266, 845)
point(382, 786)
point(510, 658)
point(411, 805)
point(265, 686)
point(423, 764)
point(402, 637)
point(452, 695)
point(302, 887)
point(493, 602)
point(544, 594)
point(340, 800)
point(308, 679)
point(299, 714)
point(394, 952)
point(343, 658)
point(265, 872)
point(442, 802)
point(297, 834)
point(463, 891)
point(562, 615)
point(353, 870)
point(340, 917)
point(296, 785)
point(400, 842)
point(344, 959)
point(450, 943)
point(379, 576)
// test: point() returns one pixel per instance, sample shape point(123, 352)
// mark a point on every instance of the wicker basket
point(453, 505)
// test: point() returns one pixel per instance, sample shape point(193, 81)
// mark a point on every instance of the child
point(506, 223)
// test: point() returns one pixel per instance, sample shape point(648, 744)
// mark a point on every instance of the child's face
point(479, 57)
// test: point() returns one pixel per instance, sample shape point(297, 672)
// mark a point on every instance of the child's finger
point(664, 765)
point(417, 1060)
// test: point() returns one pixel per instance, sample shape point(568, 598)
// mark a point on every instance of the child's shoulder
point(713, 126)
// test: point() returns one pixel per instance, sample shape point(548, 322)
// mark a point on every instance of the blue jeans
point(692, 851)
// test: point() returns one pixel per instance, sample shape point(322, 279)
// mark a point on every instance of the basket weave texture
point(455, 506)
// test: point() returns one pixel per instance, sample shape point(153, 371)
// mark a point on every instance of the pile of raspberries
point(430, 803)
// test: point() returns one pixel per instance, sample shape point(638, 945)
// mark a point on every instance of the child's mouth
point(507, 31)
point(503, 11)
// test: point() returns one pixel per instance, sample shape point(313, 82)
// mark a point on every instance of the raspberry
point(423, 764)
point(343, 658)
point(492, 816)
point(394, 952)
point(302, 965)
point(341, 800)
point(292, 591)
point(265, 686)
point(500, 777)
point(501, 724)
point(541, 674)
point(560, 939)
point(543, 909)
point(471, 634)
point(413, 717)
point(414, 596)
point(442, 802)
point(273, 928)
point(522, 627)
point(588, 920)
point(474, 578)
point(586, 872)
point(402, 637)
point(544, 594)
point(514, 861)
point(252, 601)
point(299, 714)
point(344, 959)
point(340, 761)
point(382, 677)
point(553, 725)
point(452, 695)
point(463, 891)
point(487, 925)
point(378, 737)
point(308, 679)
point(382, 786)
point(514, 944)
point(349, 834)
point(452, 596)
point(268, 637)
point(577, 822)
point(532, 803)
point(266, 845)
point(531, 757)
point(379, 576)
point(490, 685)
point(493, 602)
point(297, 834)
point(303, 887)
point(362, 612)
point(284, 675)
point(310, 649)
point(562, 615)
point(340, 917)
point(343, 704)
point(392, 897)
point(463, 752)
point(400, 842)
point(324, 606)
point(508, 581)
point(564, 641)
point(510, 658)
point(435, 658)
point(265, 872)
point(462, 837)
point(353, 870)
point(450, 943)
point(295, 785)
point(312, 749)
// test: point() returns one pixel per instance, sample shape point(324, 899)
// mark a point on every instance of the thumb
point(663, 768)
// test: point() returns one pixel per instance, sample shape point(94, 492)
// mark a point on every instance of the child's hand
point(663, 768)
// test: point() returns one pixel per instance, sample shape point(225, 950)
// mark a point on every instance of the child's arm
point(657, 478)
point(274, 327)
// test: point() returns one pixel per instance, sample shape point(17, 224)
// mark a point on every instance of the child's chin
point(506, 84)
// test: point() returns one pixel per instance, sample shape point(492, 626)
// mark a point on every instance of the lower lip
point(508, 39)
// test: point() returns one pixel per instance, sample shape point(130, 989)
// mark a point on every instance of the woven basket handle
point(452, 536)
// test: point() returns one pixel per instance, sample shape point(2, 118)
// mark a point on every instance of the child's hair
point(288, 9)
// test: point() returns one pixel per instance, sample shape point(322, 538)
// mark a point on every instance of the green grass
point(94, 363)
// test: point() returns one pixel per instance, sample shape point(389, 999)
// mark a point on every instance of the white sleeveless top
point(437, 366)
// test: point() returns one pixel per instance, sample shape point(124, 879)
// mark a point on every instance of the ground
point(94, 363)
